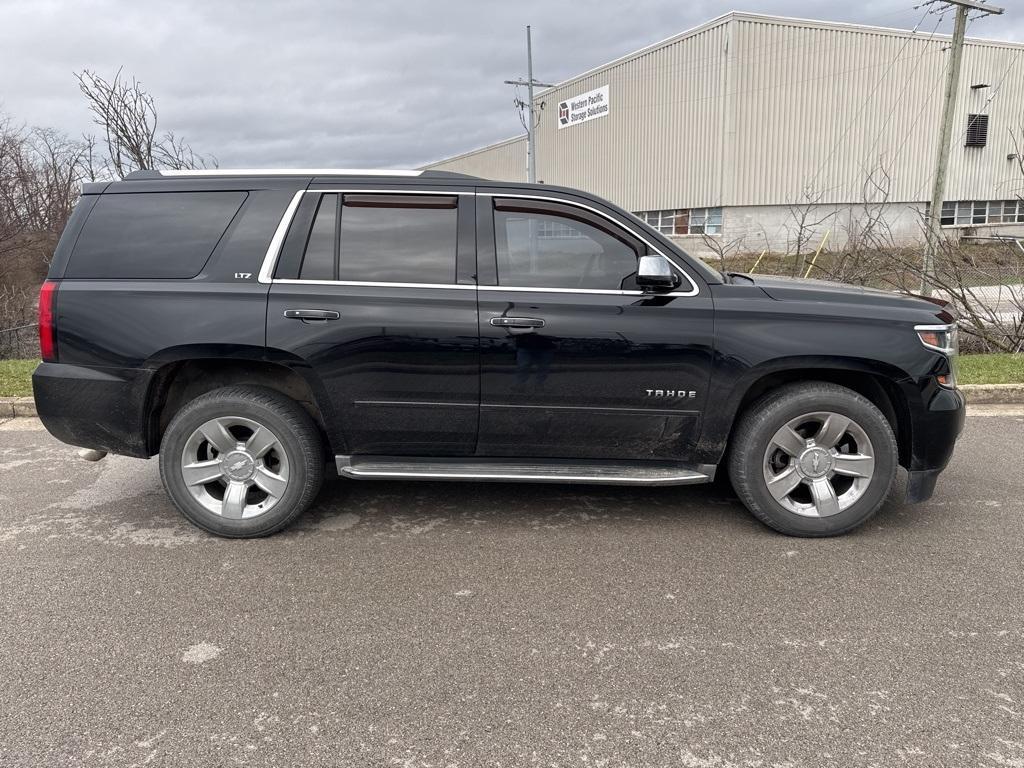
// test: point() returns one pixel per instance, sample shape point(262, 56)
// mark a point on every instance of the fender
point(162, 365)
point(733, 383)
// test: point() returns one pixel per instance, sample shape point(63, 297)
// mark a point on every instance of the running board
point(522, 471)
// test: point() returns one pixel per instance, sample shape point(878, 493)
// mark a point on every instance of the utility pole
point(531, 126)
point(933, 235)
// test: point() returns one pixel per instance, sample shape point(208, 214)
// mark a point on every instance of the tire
point(254, 477)
point(798, 436)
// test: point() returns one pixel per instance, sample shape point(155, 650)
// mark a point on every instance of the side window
point(150, 235)
point(321, 247)
point(398, 238)
point(382, 238)
point(545, 249)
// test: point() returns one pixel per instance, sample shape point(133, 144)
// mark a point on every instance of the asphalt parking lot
point(508, 625)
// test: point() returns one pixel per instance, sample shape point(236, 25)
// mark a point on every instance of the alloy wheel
point(235, 467)
point(819, 464)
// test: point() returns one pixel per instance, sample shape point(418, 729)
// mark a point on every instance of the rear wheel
point(813, 459)
point(242, 461)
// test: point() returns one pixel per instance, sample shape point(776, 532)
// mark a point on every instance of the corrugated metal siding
point(818, 109)
point(662, 139)
point(752, 110)
point(503, 162)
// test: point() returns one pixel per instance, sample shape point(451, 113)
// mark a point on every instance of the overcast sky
point(333, 83)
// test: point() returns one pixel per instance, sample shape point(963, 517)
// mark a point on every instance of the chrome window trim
point(598, 291)
point(365, 284)
point(274, 249)
point(694, 290)
point(277, 241)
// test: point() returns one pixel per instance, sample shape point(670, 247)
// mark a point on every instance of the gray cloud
point(348, 84)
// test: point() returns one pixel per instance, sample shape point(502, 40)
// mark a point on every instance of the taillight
point(47, 329)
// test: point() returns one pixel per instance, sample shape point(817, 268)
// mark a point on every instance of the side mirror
point(655, 272)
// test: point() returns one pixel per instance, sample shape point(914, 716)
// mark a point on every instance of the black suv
point(249, 326)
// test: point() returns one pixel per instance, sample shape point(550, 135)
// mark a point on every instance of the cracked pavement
point(438, 624)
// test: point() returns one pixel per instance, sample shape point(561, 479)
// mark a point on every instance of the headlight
point(942, 338)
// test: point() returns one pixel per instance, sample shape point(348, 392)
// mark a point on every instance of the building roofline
point(794, 21)
point(725, 18)
point(471, 152)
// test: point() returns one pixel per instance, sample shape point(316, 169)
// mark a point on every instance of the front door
point(576, 362)
point(368, 292)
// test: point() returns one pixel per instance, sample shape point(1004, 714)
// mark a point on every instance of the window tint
point(545, 250)
point(152, 234)
point(321, 252)
point(398, 238)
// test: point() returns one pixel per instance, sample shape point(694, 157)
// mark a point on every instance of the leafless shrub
point(806, 218)
point(723, 249)
point(867, 233)
point(987, 293)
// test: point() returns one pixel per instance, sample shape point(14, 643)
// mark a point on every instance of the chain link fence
point(19, 337)
point(20, 342)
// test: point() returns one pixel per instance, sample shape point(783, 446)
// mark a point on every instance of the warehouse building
point(752, 132)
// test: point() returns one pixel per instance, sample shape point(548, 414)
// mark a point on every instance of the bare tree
point(40, 177)
point(128, 116)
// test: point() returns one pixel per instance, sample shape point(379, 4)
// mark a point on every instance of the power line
point(531, 128)
point(934, 232)
point(866, 101)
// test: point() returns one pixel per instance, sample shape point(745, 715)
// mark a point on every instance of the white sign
point(587, 106)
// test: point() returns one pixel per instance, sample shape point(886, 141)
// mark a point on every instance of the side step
point(522, 470)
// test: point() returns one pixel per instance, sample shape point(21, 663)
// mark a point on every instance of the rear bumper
point(101, 408)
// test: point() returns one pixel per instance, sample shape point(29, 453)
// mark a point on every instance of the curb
point(994, 394)
point(976, 394)
point(17, 407)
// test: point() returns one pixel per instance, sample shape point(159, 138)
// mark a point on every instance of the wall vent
point(977, 131)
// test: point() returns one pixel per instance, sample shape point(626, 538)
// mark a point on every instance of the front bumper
point(91, 407)
point(936, 423)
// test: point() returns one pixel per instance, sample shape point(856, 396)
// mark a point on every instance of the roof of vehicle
point(149, 175)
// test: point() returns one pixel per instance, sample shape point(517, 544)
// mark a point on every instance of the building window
point(977, 131)
point(664, 221)
point(970, 213)
point(554, 229)
point(693, 221)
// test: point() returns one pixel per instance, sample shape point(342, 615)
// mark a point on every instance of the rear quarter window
point(152, 234)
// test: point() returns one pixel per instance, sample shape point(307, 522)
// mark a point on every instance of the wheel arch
point(184, 373)
point(878, 383)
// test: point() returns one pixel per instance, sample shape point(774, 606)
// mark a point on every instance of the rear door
point(576, 362)
point(375, 292)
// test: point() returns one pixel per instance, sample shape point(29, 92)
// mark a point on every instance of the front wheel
point(242, 461)
point(813, 459)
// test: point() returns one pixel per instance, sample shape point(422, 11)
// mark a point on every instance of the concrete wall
point(751, 229)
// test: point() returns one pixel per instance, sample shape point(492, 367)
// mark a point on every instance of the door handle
point(311, 314)
point(517, 322)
